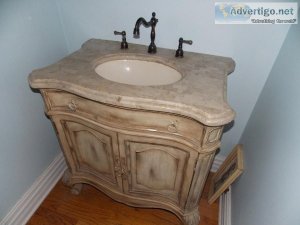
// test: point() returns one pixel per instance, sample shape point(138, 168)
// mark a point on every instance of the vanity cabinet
point(141, 158)
point(146, 144)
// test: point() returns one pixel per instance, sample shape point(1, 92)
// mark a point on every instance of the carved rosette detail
point(72, 106)
point(121, 168)
point(118, 168)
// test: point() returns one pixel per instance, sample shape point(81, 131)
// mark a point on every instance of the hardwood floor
point(92, 207)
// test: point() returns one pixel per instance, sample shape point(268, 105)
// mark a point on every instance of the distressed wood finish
point(141, 158)
point(159, 169)
point(123, 118)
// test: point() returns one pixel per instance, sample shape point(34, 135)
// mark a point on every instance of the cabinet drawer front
point(123, 118)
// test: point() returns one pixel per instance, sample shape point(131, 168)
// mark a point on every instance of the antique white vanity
point(146, 142)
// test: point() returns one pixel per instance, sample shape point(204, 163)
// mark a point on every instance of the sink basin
point(137, 72)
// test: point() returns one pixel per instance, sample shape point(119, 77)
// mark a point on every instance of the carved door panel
point(93, 152)
point(159, 170)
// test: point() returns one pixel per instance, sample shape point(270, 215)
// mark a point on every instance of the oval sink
point(138, 72)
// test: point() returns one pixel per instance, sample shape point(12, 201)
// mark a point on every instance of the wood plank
point(92, 207)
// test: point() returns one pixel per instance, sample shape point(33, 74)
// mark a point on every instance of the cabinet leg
point(75, 188)
point(66, 179)
point(192, 218)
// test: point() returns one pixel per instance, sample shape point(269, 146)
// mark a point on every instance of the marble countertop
point(200, 94)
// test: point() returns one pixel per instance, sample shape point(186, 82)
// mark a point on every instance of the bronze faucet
point(179, 52)
point(152, 23)
point(124, 44)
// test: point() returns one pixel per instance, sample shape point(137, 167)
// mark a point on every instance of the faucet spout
point(136, 30)
point(152, 23)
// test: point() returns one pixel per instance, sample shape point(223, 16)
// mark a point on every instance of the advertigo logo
point(256, 13)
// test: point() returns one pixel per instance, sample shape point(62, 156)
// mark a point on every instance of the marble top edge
point(189, 97)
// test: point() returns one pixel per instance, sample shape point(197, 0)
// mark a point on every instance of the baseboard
point(34, 196)
point(219, 159)
point(225, 208)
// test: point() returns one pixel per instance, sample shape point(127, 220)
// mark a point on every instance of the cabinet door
point(156, 169)
point(91, 152)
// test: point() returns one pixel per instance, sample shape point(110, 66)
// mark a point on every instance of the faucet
point(179, 52)
point(152, 23)
point(124, 44)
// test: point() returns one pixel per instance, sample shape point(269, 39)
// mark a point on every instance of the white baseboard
point(225, 208)
point(219, 159)
point(34, 196)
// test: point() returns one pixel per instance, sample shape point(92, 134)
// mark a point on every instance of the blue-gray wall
point(30, 37)
point(268, 191)
point(248, 45)
point(35, 33)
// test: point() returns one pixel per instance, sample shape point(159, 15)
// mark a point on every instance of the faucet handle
point(179, 52)
point(190, 42)
point(124, 44)
point(153, 19)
